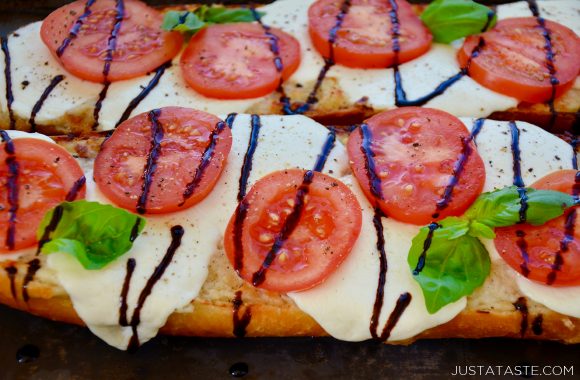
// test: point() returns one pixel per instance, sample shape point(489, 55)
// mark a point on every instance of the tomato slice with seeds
point(186, 134)
point(415, 151)
point(513, 60)
point(46, 174)
point(328, 227)
point(235, 61)
point(141, 45)
point(364, 38)
point(560, 237)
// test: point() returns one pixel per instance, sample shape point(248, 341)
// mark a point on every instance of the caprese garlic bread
point(92, 64)
point(424, 225)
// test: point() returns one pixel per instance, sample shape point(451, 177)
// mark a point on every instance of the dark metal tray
point(71, 352)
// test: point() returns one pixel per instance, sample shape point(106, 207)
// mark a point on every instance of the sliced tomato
point(364, 40)
point(80, 35)
point(513, 61)
point(235, 61)
point(46, 175)
point(415, 151)
point(173, 159)
point(328, 226)
point(546, 245)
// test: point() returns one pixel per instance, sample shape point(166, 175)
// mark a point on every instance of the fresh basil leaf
point(453, 267)
point(449, 20)
point(94, 233)
point(477, 229)
point(501, 208)
point(192, 22)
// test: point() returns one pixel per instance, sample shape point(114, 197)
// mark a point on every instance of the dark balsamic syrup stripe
point(292, 220)
point(518, 180)
point(177, 233)
point(73, 33)
point(523, 247)
point(287, 107)
point(152, 157)
point(242, 209)
point(144, 92)
point(135, 230)
point(367, 151)
point(537, 323)
point(8, 79)
point(569, 231)
point(383, 267)
point(548, 48)
point(33, 267)
point(426, 245)
point(111, 47)
point(400, 307)
point(11, 271)
point(38, 105)
point(206, 158)
point(230, 119)
point(76, 187)
point(131, 263)
point(12, 185)
point(240, 323)
point(521, 305)
point(288, 227)
point(459, 166)
point(490, 16)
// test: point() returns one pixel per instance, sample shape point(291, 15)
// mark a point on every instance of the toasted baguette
point(332, 108)
point(490, 311)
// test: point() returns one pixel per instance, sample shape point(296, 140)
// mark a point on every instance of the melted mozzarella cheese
point(33, 67)
point(343, 304)
point(284, 142)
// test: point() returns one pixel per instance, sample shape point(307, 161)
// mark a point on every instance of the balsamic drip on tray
point(239, 369)
point(537, 325)
point(38, 105)
point(242, 321)
point(152, 157)
point(8, 80)
point(111, 47)
point(27, 354)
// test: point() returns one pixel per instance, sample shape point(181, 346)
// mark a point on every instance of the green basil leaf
point(94, 233)
point(453, 268)
point(501, 208)
point(477, 229)
point(450, 20)
point(193, 22)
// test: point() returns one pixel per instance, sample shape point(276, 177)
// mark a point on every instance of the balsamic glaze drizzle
point(490, 16)
point(518, 180)
point(135, 230)
point(523, 246)
point(152, 157)
point(326, 149)
point(548, 48)
point(50, 228)
point(240, 322)
point(366, 148)
point(288, 227)
point(426, 245)
point(111, 47)
point(74, 31)
point(230, 119)
point(177, 233)
point(8, 79)
point(569, 230)
point(76, 187)
point(400, 307)
point(38, 105)
point(206, 158)
point(383, 267)
point(131, 263)
point(521, 305)
point(11, 271)
point(33, 267)
point(537, 323)
point(287, 106)
point(145, 91)
point(12, 185)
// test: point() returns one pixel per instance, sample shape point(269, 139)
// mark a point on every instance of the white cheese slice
point(96, 294)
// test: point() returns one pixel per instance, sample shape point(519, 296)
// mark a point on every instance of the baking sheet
point(34, 348)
